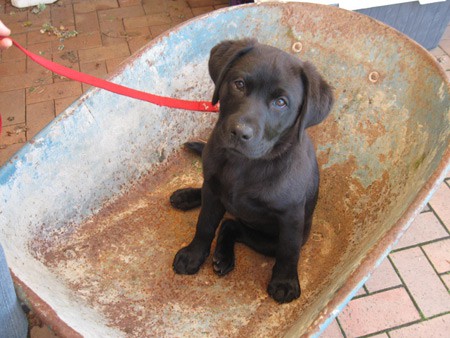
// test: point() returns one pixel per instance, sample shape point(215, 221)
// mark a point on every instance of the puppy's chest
point(245, 196)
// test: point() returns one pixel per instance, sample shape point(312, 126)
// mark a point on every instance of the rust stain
point(120, 260)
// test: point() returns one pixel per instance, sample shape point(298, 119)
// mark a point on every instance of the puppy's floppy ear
point(222, 58)
point(317, 99)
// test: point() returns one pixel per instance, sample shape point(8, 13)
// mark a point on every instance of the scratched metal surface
point(85, 219)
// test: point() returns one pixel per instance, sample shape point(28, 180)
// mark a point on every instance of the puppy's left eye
point(239, 84)
point(280, 102)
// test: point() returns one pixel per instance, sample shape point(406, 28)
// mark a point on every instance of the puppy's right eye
point(239, 84)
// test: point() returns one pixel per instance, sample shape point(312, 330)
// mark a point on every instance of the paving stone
point(426, 208)
point(446, 279)
point(444, 61)
point(220, 6)
point(384, 277)
point(158, 30)
point(13, 67)
point(378, 312)
point(138, 37)
point(13, 134)
point(180, 15)
point(332, 331)
point(87, 22)
point(114, 64)
point(445, 45)
point(446, 34)
point(62, 14)
point(439, 255)
point(104, 53)
point(35, 21)
point(361, 292)
point(85, 87)
point(90, 6)
point(176, 16)
point(439, 202)
point(154, 6)
point(95, 68)
point(125, 3)
point(27, 80)
point(43, 49)
point(53, 91)
point(438, 327)
point(68, 58)
point(148, 21)
point(120, 13)
point(63, 103)
point(177, 4)
point(13, 107)
point(84, 40)
point(38, 37)
point(422, 282)
point(111, 29)
point(202, 10)
point(38, 116)
point(112, 38)
point(200, 3)
point(132, 23)
point(8, 151)
point(426, 227)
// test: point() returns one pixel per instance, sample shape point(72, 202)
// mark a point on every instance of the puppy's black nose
point(242, 131)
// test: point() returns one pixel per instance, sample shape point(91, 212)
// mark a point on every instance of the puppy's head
point(267, 97)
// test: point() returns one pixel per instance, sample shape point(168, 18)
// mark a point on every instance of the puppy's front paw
point(284, 290)
point(188, 260)
point(186, 199)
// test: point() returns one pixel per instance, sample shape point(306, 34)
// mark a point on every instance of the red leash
point(202, 106)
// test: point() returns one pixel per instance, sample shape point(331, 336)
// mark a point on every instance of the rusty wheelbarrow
point(85, 219)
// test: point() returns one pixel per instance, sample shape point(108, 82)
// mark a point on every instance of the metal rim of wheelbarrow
point(369, 262)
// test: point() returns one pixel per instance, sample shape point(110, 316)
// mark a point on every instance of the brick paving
point(407, 296)
point(384, 277)
point(373, 313)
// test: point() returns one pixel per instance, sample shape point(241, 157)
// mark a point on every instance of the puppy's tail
point(196, 147)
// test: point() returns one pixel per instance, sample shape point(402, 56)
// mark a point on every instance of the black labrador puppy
point(259, 164)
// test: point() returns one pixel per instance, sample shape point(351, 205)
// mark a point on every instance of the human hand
point(5, 31)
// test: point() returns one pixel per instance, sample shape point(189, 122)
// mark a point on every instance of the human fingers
point(4, 31)
point(5, 43)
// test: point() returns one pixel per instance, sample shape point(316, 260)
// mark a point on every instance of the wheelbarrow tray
point(86, 222)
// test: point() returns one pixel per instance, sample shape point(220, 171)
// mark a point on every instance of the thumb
point(5, 43)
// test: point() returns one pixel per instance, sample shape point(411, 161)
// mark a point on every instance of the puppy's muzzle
point(242, 132)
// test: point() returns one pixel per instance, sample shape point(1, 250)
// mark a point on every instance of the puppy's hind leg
point(186, 199)
point(233, 231)
point(223, 259)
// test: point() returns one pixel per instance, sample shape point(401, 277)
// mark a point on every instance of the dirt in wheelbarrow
point(120, 262)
